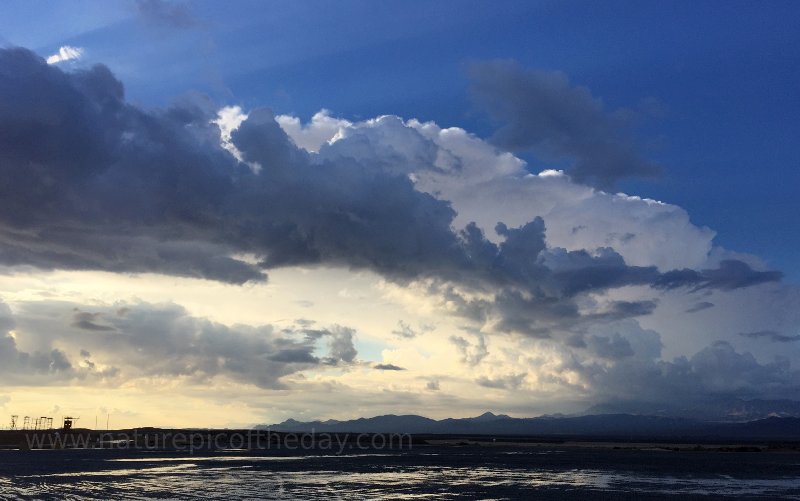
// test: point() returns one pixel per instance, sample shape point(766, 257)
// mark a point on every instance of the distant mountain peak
point(490, 416)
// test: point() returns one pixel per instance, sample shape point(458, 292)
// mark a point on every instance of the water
point(422, 473)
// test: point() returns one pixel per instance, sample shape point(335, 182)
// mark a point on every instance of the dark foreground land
point(191, 440)
point(247, 464)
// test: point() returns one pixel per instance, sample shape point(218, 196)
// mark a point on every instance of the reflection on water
point(423, 474)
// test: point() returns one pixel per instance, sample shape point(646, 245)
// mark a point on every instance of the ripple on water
point(362, 476)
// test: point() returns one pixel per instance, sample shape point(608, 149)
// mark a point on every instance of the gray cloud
point(404, 330)
point(509, 382)
point(542, 111)
point(731, 274)
point(158, 340)
point(579, 271)
point(88, 321)
point(613, 347)
point(773, 336)
point(88, 181)
point(21, 367)
point(35, 367)
point(340, 345)
point(638, 374)
point(116, 188)
point(702, 305)
point(471, 354)
point(109, 186)
point(388, 367)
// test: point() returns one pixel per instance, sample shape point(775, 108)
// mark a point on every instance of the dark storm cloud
point(94, 183)
point(773, 336)
point(337, 212)
point(89, 181)
point(579, 271)
point(523, 259)
point(542, 111)
point(87, 249)
point(731, 274)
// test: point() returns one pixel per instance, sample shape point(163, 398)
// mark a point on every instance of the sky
point(227, 214)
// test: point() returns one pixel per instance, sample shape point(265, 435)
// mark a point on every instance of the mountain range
point(625, 426)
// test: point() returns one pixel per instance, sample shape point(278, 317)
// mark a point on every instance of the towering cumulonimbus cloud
point(91, 182)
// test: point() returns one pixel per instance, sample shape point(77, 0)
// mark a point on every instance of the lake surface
point(425, 472)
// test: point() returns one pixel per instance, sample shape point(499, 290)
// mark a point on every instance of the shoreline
point(259, 439)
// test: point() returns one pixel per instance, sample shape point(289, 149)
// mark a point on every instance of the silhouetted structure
point(69, 422)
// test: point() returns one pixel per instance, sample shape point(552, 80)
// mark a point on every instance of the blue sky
point(123, 226)
point(724, 74)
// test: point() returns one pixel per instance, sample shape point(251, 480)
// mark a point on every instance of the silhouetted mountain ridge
point(600, 425)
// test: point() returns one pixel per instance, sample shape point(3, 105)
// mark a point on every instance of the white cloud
point(229, 118)
point(487, 186)
point(311, 136)
point(65, 53)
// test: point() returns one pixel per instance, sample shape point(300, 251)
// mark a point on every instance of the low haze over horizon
point(230, 214)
